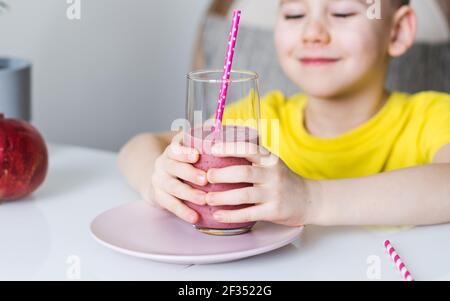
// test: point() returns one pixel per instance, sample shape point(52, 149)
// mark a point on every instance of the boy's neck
point(329, 118)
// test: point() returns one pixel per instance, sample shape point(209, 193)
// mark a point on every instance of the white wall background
point(121, 69)
point(118, 71)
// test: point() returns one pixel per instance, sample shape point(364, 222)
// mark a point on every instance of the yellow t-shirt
point(407, 131)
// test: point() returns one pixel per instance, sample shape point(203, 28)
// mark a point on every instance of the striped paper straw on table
point(398, 262)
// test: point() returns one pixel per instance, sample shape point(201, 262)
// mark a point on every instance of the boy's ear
point(403, 32)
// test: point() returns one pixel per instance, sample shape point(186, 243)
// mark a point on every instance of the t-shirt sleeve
point(436, 126)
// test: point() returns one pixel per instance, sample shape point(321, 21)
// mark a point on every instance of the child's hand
point(174, 165)
point(280, 196)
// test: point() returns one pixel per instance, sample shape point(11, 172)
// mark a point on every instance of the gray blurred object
point(3, 7)
point(15, 88)
point(424, 67)
point(15, 84)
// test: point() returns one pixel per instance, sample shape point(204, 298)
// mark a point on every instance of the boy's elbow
point(144, 141)
point(130, 147)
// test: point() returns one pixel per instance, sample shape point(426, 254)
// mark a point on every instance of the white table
point(46, 237)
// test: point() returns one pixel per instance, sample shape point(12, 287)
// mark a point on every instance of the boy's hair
point(399, 3)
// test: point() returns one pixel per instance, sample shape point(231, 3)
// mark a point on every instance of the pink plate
point(138, 229)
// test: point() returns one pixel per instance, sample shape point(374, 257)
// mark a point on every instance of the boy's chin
point(323, 91)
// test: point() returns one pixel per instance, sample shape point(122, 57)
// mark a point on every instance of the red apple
point(23, 159)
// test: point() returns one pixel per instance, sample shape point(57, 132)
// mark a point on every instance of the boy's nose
point(316, 33)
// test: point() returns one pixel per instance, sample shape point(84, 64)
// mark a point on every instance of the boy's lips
point(319, 61)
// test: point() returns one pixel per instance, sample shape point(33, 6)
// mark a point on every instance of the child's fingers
point(249, 214)
point(248, 195)
point(176, 206)
point(177, 151)
point(237, 174)
point(250, 151)
point(185, 171)
point(184, 191)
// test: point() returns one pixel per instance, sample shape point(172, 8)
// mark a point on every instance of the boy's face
point(331, 47)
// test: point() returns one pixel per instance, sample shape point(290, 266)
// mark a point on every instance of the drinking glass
point(202, 97)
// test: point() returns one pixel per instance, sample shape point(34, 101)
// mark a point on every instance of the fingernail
point(264, 151)
point(193, 157)
point(209, 175)
point(218, 216)
point(192, 218)
point(201, 179)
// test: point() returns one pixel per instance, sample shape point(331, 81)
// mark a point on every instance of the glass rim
point(194, 76)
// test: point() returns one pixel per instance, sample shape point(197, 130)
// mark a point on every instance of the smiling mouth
point(318, 61)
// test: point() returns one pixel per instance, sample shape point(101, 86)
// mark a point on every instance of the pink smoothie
point(203, 141)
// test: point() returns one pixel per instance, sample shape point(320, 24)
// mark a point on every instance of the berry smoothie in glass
point(200, 107)
point(203, 139)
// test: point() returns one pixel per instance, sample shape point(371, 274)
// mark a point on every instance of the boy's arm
point(136, 159)
point(443, 156)
point(411, 196)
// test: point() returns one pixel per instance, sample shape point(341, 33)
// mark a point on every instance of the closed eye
point(344, 15)
point(294, 17)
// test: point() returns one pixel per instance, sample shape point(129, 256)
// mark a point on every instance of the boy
point(351, 152)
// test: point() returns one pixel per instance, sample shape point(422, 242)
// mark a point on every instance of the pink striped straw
point(398, 262)
point(227, 70)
